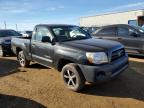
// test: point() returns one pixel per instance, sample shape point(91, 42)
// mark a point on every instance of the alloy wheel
point(21, 59)
point(70, 78)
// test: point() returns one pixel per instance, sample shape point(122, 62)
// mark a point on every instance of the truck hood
point(93, 45)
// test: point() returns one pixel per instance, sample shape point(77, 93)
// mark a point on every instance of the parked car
point(73, 52)
point(26, 33)
point(5, 37)
point(130, 36)
point(90, 29)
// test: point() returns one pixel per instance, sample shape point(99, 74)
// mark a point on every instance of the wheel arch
point(62, 63)
point(18, 49)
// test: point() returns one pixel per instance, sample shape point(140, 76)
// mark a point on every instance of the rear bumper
point(104, 72)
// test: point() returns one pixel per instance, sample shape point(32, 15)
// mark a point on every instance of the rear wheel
point(72, 77)
point(22, 59)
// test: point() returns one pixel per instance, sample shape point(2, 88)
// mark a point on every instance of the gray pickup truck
point(73, 52)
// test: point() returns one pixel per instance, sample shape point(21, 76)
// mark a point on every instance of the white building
point(135, 17)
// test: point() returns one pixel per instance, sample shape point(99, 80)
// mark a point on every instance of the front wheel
point(3, 54)
point(22, 59)
point(72, 77)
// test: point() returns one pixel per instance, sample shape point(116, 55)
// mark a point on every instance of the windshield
point(69, 33)
point(4, 33)
point(140, 29)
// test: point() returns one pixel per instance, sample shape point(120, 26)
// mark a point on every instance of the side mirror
point(46, 39)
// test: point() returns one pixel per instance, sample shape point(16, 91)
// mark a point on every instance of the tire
point(22, 59)
point(3, 54)
point(73, 77)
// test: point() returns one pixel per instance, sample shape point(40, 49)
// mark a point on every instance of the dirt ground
point(41, 87)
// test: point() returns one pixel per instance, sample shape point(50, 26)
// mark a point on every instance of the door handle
point(100, 38)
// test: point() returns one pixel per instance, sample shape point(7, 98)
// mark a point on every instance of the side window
point(123, 31)
point(40, 32)
point(107, 31)
point(34, 34)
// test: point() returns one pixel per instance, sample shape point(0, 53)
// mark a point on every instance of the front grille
point(117, 54)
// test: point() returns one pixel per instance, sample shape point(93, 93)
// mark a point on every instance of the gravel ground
point(41, 87)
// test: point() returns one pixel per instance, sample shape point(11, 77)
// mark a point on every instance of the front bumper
point(6, 48)
point(104, 72)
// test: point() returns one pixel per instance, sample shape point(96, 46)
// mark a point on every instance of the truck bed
point(22, 42)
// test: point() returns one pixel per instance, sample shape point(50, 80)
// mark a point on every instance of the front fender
point(72, 55)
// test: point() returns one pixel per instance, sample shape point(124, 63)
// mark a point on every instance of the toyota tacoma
point(73, 52)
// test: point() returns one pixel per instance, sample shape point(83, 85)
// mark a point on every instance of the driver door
point(42, 52)
point(126, 36)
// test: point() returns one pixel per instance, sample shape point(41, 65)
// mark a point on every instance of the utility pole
point(5, 24)
point(16, 27)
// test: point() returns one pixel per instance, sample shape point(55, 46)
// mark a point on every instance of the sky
point(27, 13)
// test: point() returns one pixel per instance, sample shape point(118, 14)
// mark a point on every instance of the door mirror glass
point(46, 39)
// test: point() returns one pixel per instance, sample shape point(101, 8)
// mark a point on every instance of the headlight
point(97, 58)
